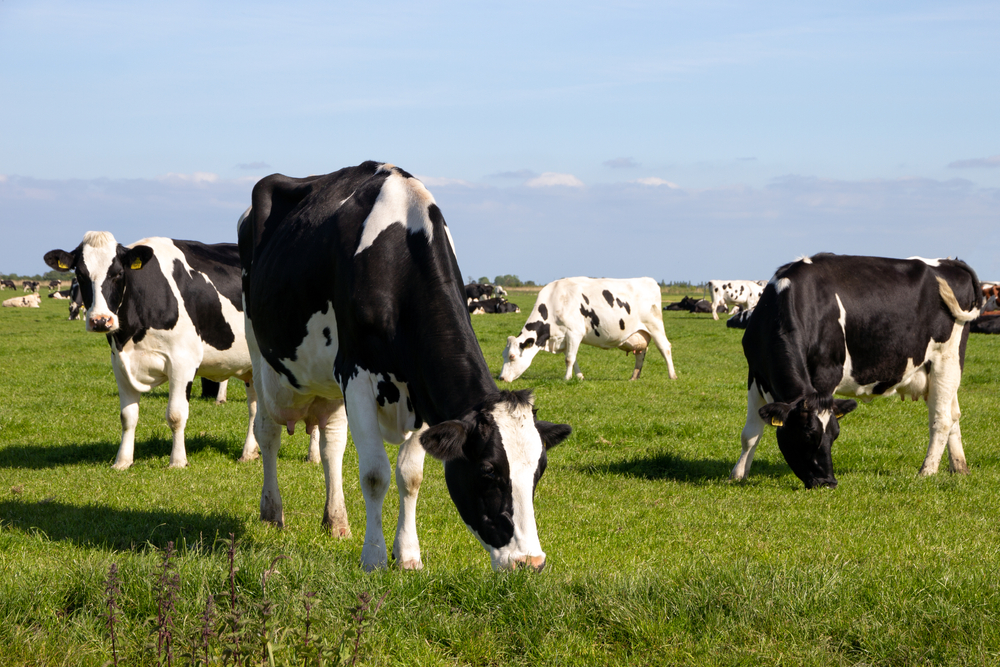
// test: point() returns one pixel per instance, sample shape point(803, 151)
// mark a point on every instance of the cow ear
point(552, 434)
point(775, 413)
point(137, 257)
point(842, 406)
point(446, 441)
point(60, 260)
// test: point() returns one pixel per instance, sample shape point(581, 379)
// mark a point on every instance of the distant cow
point(171, 310)
point(76, 300)
point(476, 291)
point(54, 285)
point(986, 324)
point(855, 326)
point(356, 317)
point(494, 305)
point(5, 284)
point(60, 295)
point(739, 320)
point(690, 305)
point(742, 294)
point(30, 301)
point(602, 312)
point(30, 285)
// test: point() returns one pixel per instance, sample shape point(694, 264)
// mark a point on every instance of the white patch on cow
point(523, 447)
point(928, 262)
point(99, 251)
point(824, 418)
point(401, 200)
point(782, 284)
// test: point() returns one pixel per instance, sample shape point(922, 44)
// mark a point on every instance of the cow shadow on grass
point(39, 457)
point(667, 466)
point(102, 527)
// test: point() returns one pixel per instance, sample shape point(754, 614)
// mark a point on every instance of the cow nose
point(536, 563)
point(100, 323)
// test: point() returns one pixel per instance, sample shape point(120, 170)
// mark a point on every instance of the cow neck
point(128, 322)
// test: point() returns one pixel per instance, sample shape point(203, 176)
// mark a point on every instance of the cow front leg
point(268, 434)
point(956, 454)
point(409, 475)
point(250, 449)
point(572, 348)
point(331, 441)
point(663, 345)
point(750, 436)
point(942, 413)
point(177, 416)
point(128, 399)
point(374, 470)
point(640, 358)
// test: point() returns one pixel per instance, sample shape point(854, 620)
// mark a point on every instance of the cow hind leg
point(331, 441)
point(640, 357)
point(750, 436)
point(943, 415)
point(409, 475)
point(250, 449)
point(663, 345)
point(268, 434)
point(374, 470)
point(313, 455)
point(572, 348)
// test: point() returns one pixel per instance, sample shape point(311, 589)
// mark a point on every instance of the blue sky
point(684, 141)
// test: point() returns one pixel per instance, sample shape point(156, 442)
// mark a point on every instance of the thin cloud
point(198, 177)
point(621, 163)
point(253, 166)
point(656, 182)
point(521, 174)
point(977, 163)
point(551, 178)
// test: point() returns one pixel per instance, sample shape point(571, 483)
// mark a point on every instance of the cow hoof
point(343, 532)
point(178, 464)
point(312, 459)
point(123, 465)
point(246, 458)
point(413, 564)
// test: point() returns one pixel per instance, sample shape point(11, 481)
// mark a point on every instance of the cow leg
point(956, 454)
point(268, 434)
point(572, 347)
point(331, 441)
point(750, 436)
point(250, 449)
point(409, 475)
point(220, 398)
point(640, 357)
point(177, 416)
point(128, 398)
point(715, 309)
point(942, 412)
point(313, 455)
point(663, 345)
point(373, 466)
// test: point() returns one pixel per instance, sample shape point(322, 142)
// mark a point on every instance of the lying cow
point(494, 305)
point(171, 310)
point(742, 294)
point(986, 324)
point(855, 326)
point(605, 313)
point(476, 291)
point(690, 305)
point(739, 320)
point(378, 338)
point(30, 301)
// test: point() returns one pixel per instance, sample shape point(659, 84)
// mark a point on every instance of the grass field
point(654, 557)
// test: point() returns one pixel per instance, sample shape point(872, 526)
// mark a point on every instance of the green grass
point(654, 557)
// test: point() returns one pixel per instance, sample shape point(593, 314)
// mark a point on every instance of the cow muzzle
point(536, 563)
point(101, 323)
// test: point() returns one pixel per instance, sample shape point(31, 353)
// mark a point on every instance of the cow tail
point(948, 296)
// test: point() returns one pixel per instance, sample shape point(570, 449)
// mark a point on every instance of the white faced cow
point(602, 312)
point(855, 326)
point(740, 293)
point(171, 310)
point(354, 300)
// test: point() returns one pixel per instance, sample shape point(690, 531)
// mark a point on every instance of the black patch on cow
point(326, 334)
point(882, 387)
point(526, 343)
point(594, 320)
point(621, 323)
point(201, 301)
point(220, 262)
point(187, 390)
point(586, 300)
point(624, 304)
point(542, 331)
point(149, 301)
point(609, 297)
point(388, 392)
point(543, 311)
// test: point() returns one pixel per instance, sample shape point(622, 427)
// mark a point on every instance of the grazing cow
point(602, 312)
point(76, 300)
point(30, 301)
point(54, 285)
point(383, 331)
point(30, 285)
point(855, 326)
point(476, 291)
point(4, 284)
point(171, 310)
point(739, 320)
point(494, 305)
point(743, 294)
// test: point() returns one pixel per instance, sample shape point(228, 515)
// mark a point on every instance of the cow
point(690, 305)
point(61, 295)
point(4, 284)
point(861, 327)
point(739, 320)
point(30, 301)
point(986, 324)
point(602, 312)
point(30, 286)
point(494, 305)
point(54, 285)
point(171, 310)
point(476, 291)
point(743, 294)
point(381, 341)
point(76, 300)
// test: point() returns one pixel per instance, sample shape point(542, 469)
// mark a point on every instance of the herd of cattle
point(342, 306)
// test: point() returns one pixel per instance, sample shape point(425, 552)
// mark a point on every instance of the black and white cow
point(476, 291)
point(30, 286)
point(4, 284)
point(171, 310)
point(494, 306)
point(602, 312)
point(76, 299)
point(739, 320)
point(855, 326)
point(986, 324)
point(383, 331)
point(743, 294)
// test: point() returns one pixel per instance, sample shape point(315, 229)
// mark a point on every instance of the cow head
point(522, 349)
point(102, 266)
point(493, 458)
point(806, 430)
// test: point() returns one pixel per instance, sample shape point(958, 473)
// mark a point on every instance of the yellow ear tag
point(63, 265)
point(136, 263)
point(776, 422)
point(838, 416)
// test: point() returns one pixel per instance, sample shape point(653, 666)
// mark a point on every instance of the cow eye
point(488, 473)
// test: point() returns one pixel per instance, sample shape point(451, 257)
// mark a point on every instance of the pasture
point(654, 557)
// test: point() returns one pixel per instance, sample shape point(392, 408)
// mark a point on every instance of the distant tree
point(508, 281)
point(484, 281)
